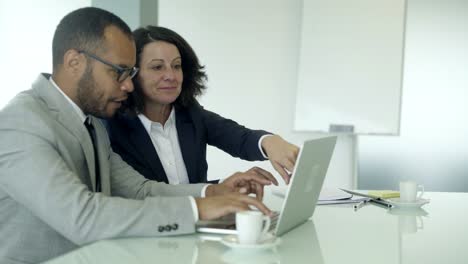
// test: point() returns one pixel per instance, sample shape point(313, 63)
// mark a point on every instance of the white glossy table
point(337, 234)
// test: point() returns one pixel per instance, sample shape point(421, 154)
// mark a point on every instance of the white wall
point(27, 28)
point(129, 11)
point(433, 145)
point(250, 49)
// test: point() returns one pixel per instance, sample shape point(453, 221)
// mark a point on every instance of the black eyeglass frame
point(122, 72)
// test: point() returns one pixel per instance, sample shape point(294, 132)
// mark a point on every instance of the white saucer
point(268, 241)
point(416, 204)
point(408, 211)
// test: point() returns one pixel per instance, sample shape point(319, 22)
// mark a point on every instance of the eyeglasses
point(122, 73)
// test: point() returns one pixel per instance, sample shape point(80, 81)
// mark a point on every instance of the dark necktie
point(92, 134)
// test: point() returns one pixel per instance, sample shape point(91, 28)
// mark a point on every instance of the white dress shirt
point(166, 142)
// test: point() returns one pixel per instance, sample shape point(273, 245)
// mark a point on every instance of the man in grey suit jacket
point(58, 190)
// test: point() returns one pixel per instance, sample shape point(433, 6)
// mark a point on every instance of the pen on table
point(360, 204)
point(381, 202)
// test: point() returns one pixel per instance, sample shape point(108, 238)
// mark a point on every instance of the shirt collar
point(148, 123)
point(76, 107)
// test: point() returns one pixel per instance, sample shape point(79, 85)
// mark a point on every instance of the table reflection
point(180, 249)
point(410, 221)
point(299, 244)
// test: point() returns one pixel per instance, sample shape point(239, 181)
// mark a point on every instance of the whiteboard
point(350, 66)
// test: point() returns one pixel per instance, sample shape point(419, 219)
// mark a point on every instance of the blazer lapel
point(187, 141)
point(66, 115)
point(140, 137)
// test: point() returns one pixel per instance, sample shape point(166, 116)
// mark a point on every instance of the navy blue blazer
point(196, 127)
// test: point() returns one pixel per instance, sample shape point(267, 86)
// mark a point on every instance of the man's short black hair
point(83, 29)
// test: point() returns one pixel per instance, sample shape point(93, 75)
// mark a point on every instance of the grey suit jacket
point(47, 203)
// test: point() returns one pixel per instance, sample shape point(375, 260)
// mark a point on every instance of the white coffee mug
point(409, 191)
point(251, 226)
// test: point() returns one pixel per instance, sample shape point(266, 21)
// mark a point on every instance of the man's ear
point(74, 63)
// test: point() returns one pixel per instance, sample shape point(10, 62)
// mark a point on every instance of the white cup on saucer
point(410, 191)
point(251, 226)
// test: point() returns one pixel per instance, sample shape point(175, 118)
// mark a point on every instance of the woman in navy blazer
point(162, 131)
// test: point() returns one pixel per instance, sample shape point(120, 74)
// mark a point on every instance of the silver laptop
point(302, 195)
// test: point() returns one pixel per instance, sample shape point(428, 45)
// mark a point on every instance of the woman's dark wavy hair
point(194, 74)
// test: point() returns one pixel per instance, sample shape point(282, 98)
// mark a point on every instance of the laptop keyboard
point(273, 220)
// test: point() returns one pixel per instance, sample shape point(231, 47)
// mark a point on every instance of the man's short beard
point(87, 94)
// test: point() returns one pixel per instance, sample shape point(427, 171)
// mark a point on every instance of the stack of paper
point(339, 196)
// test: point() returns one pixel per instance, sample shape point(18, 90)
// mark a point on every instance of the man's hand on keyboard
point(213, 207)
point(251, 181)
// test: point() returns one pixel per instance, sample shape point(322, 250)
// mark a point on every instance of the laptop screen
point(303, 192)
